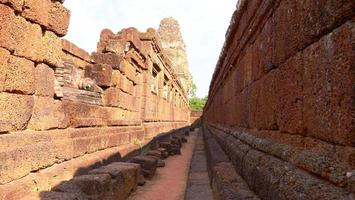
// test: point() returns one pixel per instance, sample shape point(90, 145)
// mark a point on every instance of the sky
point(203, 25)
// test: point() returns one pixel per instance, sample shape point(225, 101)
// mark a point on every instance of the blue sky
point(203, 25)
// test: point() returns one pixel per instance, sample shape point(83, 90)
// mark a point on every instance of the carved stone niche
point(70, 84)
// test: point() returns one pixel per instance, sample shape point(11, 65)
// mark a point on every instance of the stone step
point(225, 182)
point(111, 182)
point(198, 186)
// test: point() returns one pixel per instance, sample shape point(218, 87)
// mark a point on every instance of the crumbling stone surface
point(17, 74)
point(55, 196)
point(114, 181)
point(148, 164)
point(164, 152)
point(93, 185)
point(173, 149)
point(227, 184)
point(68, 187)
point(60, 105)
point(160, 162)
point(44, 80)
point(15, 110)
point(54, 16)
point(100, 73)
point(46, 114)
point(280, 98)
point(174, 45)
point(155, 153)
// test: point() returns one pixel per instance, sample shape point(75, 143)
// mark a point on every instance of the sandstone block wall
point(195, 116)
point(281, 101)
point(62, 109)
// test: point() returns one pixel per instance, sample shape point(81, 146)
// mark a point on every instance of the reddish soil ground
point(169, 182)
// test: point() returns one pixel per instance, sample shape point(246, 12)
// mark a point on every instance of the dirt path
point(169, 183)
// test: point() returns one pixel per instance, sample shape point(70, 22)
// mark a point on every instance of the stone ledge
point(321, 159)
point(76, 51)
point(44, 180)
point(273, 177)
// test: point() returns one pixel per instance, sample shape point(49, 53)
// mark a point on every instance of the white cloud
point(203, 25)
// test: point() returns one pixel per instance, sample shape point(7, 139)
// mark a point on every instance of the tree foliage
point(192, 92)
point(196, 103)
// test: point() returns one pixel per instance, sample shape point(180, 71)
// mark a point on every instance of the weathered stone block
point(28, 158)
point(155, 153)
point(17, 74)
point(4, 58)
point(111, 59)
point(15, 4)
point(15, 111)
point(245, 113)
point(309, 186)
point(102, 74)
point(288, 37)
point(105, 35)
point(44, 80)
point(228, 185)
point(128, 70)
point(141, 180)
point(94, 185)
point(125, 101)
point(148, 164)
point(250, 166)
point(236, 151)
point(160, 162)
point(58, 20)
point(72, 49)
point(84, 115)
point(132, 35)
point(116, 46)
point(328, 86)
point(126, 85)
point(60, 115)
point(45, 114)
point(55, 196)
point(52, 15)
point(172, 149)
point(116, 78)
point(124, 179)
point(50, 49)
point(67, 186)
point(303, 22)
point(164, 152)
point(176, 141)
point(290, 91)
point(26, 40)
point(111, 97)
point(265, 106)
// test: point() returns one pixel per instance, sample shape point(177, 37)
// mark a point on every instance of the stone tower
point(175, 49)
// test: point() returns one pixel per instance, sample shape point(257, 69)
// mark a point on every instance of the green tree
point(192, 92)
point(196, 103)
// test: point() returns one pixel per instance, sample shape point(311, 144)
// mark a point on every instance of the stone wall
point(194, 116)
point(62, 109)
point(281, 101)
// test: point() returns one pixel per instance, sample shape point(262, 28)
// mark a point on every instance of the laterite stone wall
point(281, 101)
point(63, 109)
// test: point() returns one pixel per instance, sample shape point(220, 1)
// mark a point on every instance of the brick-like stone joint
point(61, 107)
point(277, 94)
